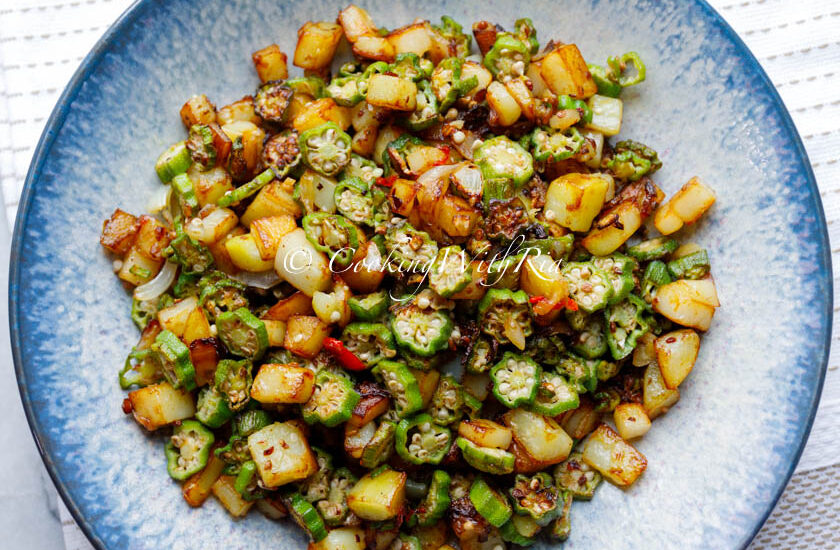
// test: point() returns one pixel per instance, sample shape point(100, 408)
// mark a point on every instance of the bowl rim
point(90, 63)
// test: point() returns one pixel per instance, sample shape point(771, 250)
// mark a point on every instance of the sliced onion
point(431, 187)
point(159, 199)
point(514, 333)
point(157, 286)
point(263, 279)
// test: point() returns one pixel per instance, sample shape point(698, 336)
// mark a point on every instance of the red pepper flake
point(446, 151)
point(536, 299)
point(387, 182)
point(127, 407)
point(571, 305)
point(268, 451)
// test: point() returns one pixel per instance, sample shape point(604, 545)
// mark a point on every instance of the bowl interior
point(716, 462)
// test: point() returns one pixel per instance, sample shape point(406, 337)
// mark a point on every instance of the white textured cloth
point(797, 41)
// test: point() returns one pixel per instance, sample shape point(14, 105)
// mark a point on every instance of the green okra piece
point(244, 191)
point(423, 332)
point(188, 450)
point(515, 380)
point(536, 496)
point(212, 408)
point(549, 145)
point(370, 342)
point(499, 307)
point(175, 361)
point(693, 266)
point(369, 307)
point(653, 249)
point(325, 148)
point(624, 324)
point(272, 101)
point(333, 235)
point(142, 368)
point(420, 441)
point(233, 380)
point(402, 385)
point(175, 160)
point(555, 395)
point(485, 459)
point(242, 333)
point(509, 57)
point(589, 286)
point(332, 401)
point(450, 271)
point(577, 477)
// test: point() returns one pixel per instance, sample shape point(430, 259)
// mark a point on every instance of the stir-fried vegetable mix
point(416, 299)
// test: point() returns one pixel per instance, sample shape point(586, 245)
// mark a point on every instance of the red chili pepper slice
point(536, 299)
point(446, 151)
point(387, 182)
point(343, 355)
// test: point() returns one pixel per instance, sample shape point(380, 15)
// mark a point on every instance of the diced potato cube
point(580, 422)
point(374, 47)
point(520, 91)
point(486, 433)
point(541, 436)
point(617, 460)
point(332, 307)
point(574, 200)
point(270, 63)
point(159, 405)
point(316, 192)
point(676, 353)
point(606, 114)
point(220, 253)
point(656, 398)
point(701, 290)
point(316, 44)
point(524, 463)
point(413, 38)
point(152, 238)
point(455, 216)
point(252, 140)
point(245, 255)
point(594, 162)
point(666, 220)
point(276, 332)
point(198, 487)
point(401, 197)
point(272, 200)
point(692, 201)
point(300, 264)
point(356, 23)
point(119, 231)
point(677, 303)
point(378, 498)
point(539, 88)
point(613, 229)
point(503, 104)
point(364, 141)
point(366, 272)
point(198, 110)
point(213, 226)
point(296, 304)
point(205, 355)
point(210, 185)
point(341, 538)
point(238, 111)
point(268, 231)
point(174, 318)
point(476, 288)
point(565, 73)
point(305, 335)
point(645, 352)
point(631, 420)
point(422, 157)
point(427, 382)
point(540, 276)
point(137, 268)
point(281, 453)
point(320, 112)
point(392, 92)
point(224, 489)
point(197, 326)
point(283, 383)
point(357, 437)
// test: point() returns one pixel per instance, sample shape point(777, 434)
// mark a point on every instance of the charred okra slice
point(624, 324)
point(305, 515)
point(402, 384)
point(309, 85)
point(509, 57)
point(247, 482)
point(499, 158)
point(333, 235)
point(546, 349)
point(436, 502)
point(325, 148)
point(369, 307)
point(370, 342)
point(590, 341)
point(411, 67)
point(233, 380)
point(362, 168)
point(332, 401)
point(490, 503)
point(244, 191)
point(192, 256)
point(347, 91)
point(520, 530)
point(174, 357)
point(693, 266)
point(555, 395)
point(447, 83)
point(561, 527)
point(317, 486)
point(619, 269)
point(565, 103)
point(652, 249)
point(589, 286)
point(447, 402)
point(631, 160)
point(577, 477)
point(535, 496)
point(175, 160)
point(381, 445)
point(409, 249)
point(242, 333)
point(486, 459)
point(188, 449)
point(218, 293)
point(143, 311)
point(272, 101)
point(503, 313)
point(212, 408)
point(524, 30)
point(515, 380)
point(200, 145)
point(450, 271)
point(454, 34)
point(656, 275)
point(481, 354)
point(142, 368)
point(353, 200)
point(420, 441)
point(281, 153)
point(334, 508)
point(427, 112)
point(555, 145)
point(423, 332)
point(583, 373)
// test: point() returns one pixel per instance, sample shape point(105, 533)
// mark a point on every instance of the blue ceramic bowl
point(717, 461)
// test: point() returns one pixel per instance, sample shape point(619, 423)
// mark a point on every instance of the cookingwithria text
point(487, 272)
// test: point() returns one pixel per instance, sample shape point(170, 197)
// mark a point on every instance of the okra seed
point(459, 137)
point(425, 426)
point(504, 387)
point(423, 303)
point(335, 316)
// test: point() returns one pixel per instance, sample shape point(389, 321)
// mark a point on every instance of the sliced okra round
point(281, 153)
point(454, 34)
point(509, 57)
point(656, 274)
point(555, 145)
point(242, 333)
point(233, 380)
point(370, 342)
point(175, 160)
point(589, 286)
point(631, 160)
point(332, 401)
point(693, 266)
point(353, 200)
point(565, 102)
point(486, 459)
point(325, 148)
point(436, 502)
point(447, 402)
point(219, 293)
point(380, 447)
point(450, 271)
point(535, 496)
point(369, 307)
point(334, 508)
point(201, 147)
point(142, 368)
point(423, 332)
point(175, 361)
point(188, 449)
point(309, 85)
point(581, 372)
point(501, 310)
point(362, 168)
point(346, 90)
point(624, 323)
point(590, 341)
point(427, 112)
point(272, 101)
point(619, 269)
point(653, 249)
point(409, 249)
point(402, 385)
point(520, 530)
point(447, 84)
point(481, 354)
point(247, 482)
point(499, 158)
point(305, 515)
point(546, 349)
point(515, 380)
point(576, 476)
point(193, 257)
point(212, 408)
point(420, 441)
point(555, 395)
point(333, 235)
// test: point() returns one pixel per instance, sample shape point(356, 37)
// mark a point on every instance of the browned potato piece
point(316, 44)
point(392, 92)
point(268, 231)
point(676, 353)
point(198, 110)
point(119, 231)
point(270, 63)
point(356, 23)
point(158, 405)
point(455, 216)
point(289, 383)
point(225, 491)
point(198, 487)
point(564, 71)
point(305, 335)
point(617, 460)
point(320, 112)
point(205, 355)
point(374, 47)
point(413, 38)
point(402, 195)
point(296, 304)
point(486, 433)
point(152, 238)
point(238, 111)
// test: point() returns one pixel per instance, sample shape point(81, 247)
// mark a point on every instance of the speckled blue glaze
point(717, 461)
